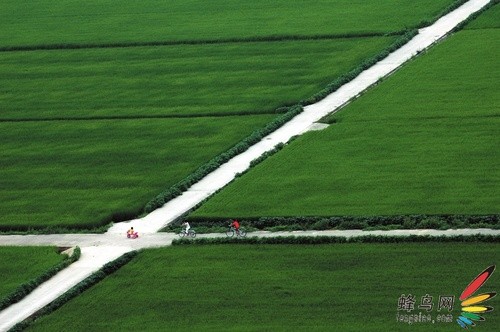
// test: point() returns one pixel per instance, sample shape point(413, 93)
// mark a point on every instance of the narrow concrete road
point(98, 250)
point(89, 240)
point(165, 239)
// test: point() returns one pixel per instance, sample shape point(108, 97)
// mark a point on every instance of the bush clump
point(312, 240)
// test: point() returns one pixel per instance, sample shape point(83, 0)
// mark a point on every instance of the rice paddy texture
point(83, 174)
point(23, 264)
point(174, 81)
point(424, 141)
point(344, 287)
point(58, 172)
point(42, 23)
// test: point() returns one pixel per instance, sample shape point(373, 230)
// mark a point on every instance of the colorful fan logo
point(472, 306)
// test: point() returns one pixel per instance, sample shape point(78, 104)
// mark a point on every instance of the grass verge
point(279, 287)
point(86, 174)
point(422, 142)
point(21, 264)
point(44, 23)
point(183, 80)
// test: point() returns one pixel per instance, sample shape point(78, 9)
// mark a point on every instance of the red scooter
point(133, 235)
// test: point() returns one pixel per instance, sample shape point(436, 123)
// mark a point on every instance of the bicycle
point(239, 232)
point(190, 233)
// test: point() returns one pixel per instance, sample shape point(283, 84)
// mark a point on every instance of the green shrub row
point(276, 38)
point(346, 78)
point(26, 288)
point(445, 11)
point(176, 225)
point(353, 222)
point(338, 239)
point(177, 189)
point(472, 17)
point(216, 162)
point(266, 155)
point(85, 284)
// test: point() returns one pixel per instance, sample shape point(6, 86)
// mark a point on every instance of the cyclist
point(187, 227)
point(236, 225)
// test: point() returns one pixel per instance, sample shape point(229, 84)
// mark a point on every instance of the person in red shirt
point(236, 225)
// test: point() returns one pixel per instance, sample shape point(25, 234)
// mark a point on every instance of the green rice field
point(344, 287)
point(45, 22)
point(425, 141)
point(23, 264)
point(90, 132)
point(83, 173)
point(187, 80)
point(488, 20)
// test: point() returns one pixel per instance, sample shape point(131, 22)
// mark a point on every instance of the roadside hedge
point(472, 17)
point(22, 291)
point(338, 239)
point(444, 221)
point(216, 162)
point(445, 11)
point(346, 78)
point(256, 136)
point(79, 288)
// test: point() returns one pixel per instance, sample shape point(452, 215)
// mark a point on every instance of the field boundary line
point(264, 39)
point(141, 117)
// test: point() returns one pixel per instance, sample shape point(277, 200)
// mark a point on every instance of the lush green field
point(343, 287)
point(85, 173)
point(425, 141)
point(22, 264)
point(182, 80)
point(489, 19)
point(80, 173)
point(24, 22)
